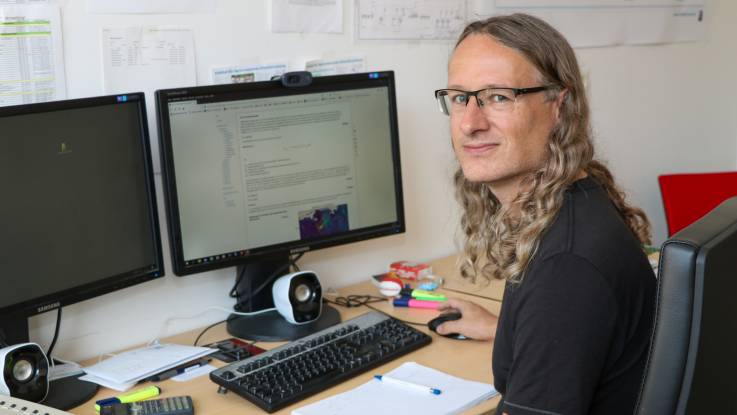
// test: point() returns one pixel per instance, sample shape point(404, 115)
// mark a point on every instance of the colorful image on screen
point(323, 221)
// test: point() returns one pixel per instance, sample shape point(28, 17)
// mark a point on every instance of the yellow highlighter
point(135, 396)
point(428, 295)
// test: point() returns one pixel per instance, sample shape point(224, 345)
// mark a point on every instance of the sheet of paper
point(593, 23)
point(375, 397)
point(337, 66)
point(148, 58)
point(307, 16)
point(150, 6)
point(4, 2)
point(247, 73)
point(410, 19)
point(31, 54)
point(120, 387)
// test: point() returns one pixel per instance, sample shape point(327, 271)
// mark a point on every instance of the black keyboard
point(304, 367)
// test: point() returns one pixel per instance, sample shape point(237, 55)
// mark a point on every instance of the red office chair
point(689, 196)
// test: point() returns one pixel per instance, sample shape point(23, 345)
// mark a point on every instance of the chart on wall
point(592, 23)
point(410, 19)
point(31, 55)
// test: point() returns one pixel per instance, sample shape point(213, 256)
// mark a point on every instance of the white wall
point(656, 109)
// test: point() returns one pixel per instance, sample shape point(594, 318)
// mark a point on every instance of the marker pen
point(428, 295)
point(135, 396)
point(407, 385)
point(412, 303)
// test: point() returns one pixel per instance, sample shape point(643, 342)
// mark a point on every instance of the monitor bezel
point(261, 90)
point(112, 283)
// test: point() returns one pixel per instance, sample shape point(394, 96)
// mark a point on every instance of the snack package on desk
point(410, 270)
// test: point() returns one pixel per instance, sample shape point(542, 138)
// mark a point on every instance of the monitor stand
point(270, 325)
point(69, 392)
point(65, 393)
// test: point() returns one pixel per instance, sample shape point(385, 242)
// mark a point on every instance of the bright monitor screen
point(257, 169)
point(79, 209)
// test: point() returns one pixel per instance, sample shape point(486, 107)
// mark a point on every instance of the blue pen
point(407, 385)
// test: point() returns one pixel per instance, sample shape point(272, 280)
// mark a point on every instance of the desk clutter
point(122, 371)
point(177, 405)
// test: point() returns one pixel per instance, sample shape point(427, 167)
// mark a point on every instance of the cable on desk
point(498, 300)
point(202, 333)
point(355, 300)
point(56, 333)
point(358, 300)
point(274, 275)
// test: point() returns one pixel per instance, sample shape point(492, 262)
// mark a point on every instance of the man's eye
point(498, 98)
point(458, 99)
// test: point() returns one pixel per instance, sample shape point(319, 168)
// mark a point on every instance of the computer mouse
point(453, 315)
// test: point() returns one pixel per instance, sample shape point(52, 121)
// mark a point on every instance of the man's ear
point(559, 102)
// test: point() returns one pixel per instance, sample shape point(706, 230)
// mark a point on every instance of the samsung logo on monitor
point(48, 307)
point(300, 249)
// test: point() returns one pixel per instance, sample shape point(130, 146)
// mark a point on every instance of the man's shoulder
point(589, 227)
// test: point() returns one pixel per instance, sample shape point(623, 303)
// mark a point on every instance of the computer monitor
point(79, 216)
point(255, 173)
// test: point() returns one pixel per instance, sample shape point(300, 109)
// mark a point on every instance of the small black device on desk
point(231, 350)
point(177, 405)
point(299, 369)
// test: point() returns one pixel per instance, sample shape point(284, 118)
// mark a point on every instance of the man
point(542, 213)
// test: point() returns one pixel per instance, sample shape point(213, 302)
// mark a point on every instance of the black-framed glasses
point(495, 99)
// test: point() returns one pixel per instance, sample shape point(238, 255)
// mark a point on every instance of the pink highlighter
point(412, 303)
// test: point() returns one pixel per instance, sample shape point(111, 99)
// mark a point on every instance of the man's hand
point(476, 322)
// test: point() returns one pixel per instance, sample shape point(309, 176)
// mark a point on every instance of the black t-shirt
point(573, 337)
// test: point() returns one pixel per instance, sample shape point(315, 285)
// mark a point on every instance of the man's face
point(498, 147)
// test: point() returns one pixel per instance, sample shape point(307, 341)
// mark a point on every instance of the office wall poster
point(335, 66)
point(6, 2)
point(593, 23)
point(31, 54)
point(307, 16)
point(147, 58)
point(150, 6)
point(247, 73)
point(410, 19)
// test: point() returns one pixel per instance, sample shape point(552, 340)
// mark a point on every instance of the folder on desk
point(125, 369)
point(375, 397)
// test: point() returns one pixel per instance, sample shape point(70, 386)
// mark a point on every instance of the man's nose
point(474, 119)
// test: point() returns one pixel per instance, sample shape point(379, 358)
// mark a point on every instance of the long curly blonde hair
point(501, 242)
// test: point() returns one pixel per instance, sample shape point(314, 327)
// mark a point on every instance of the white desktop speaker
point(25, 372)
point(298, 297)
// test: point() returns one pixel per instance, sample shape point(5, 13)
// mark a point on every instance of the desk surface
point(468, 359)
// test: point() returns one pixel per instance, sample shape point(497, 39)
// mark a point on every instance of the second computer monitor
point(262, 169)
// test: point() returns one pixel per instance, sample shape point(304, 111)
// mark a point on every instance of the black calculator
point(177, 405)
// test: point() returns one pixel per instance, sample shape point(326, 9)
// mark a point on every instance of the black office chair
point(692, 365)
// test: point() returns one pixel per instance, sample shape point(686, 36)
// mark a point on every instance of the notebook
point(376, 397)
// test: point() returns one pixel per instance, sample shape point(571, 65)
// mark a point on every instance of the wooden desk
point(468, 359)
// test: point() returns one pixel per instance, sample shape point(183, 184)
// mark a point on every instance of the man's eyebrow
point(454, 86)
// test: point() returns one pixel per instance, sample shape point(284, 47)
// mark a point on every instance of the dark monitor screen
point(79, 210)
point(258, 169)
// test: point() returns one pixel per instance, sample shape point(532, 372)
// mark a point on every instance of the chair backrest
point(689, 196)
point(692, 363)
